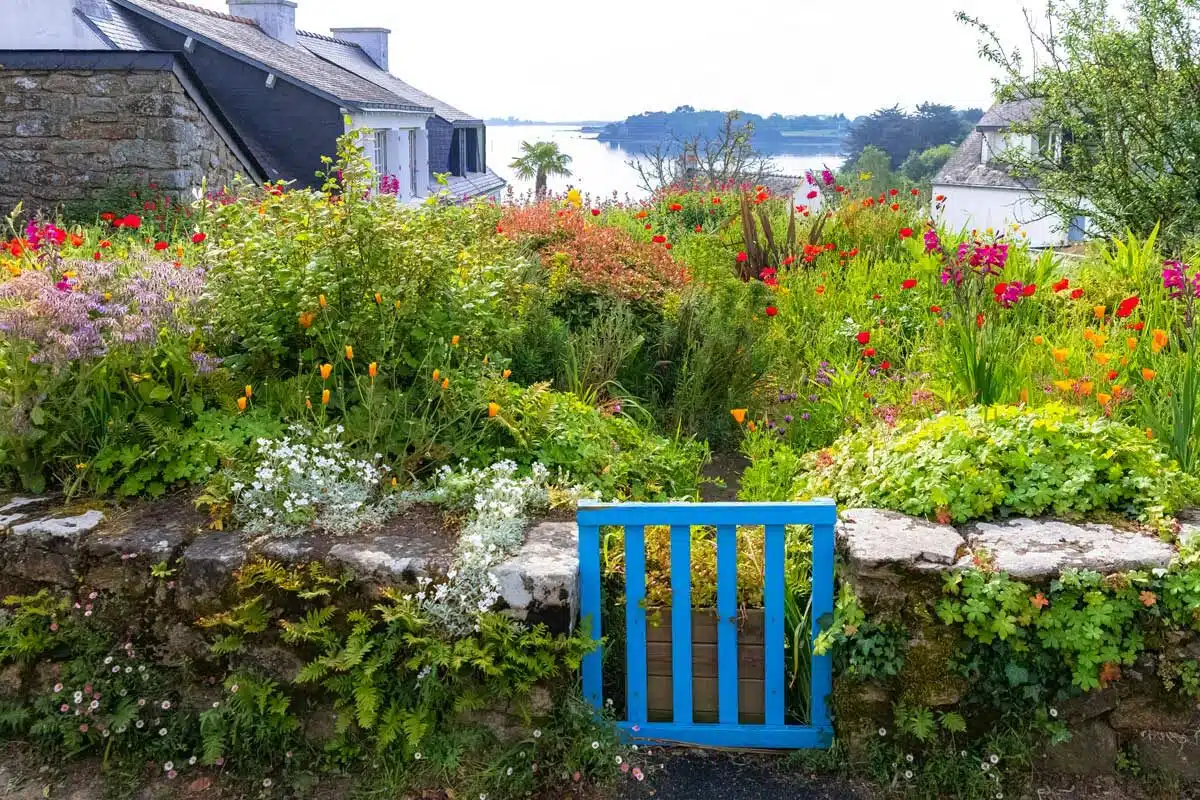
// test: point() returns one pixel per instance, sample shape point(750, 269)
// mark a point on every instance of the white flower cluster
point(498, 504)
point(307, 479)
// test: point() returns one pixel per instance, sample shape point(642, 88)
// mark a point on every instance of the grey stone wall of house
point(73, 135)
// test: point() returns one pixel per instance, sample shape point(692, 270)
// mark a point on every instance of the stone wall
point(72, 135)
point(898, 564)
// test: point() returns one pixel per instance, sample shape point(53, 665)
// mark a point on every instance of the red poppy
point(811, 194)
point(1127, 306)
point(999, 289)
point(659, 239)
point(699, 228)
point(979, 320)
point(1137, 326)
point(1061, 285)
point(914, 192)
point(893, 192)
point(132, 221)
point(853, 252)
point(940, 198)
point(1029, 290)
point(787, 262)
point(772, 311)
point(716, 201)
point(1078, 293)
point(876, 297)
point(886, 365)
point(839, 189)
point(76, 241)
point(935, 309)
point(800, 209)
point(595, 212)
point(667, 245)
point(761, 197)
point(197, 238)
point(906, 233)
point(911, 283)
point(648, 226)
point(160, 246)
point(864, 337)
point(1112, 375)
point(96, 256)
point(148, 206)
point(676, 207)
point(106, 243)
point(108, 216)
point(742, 257)
point(869, 352)
point(895, 206)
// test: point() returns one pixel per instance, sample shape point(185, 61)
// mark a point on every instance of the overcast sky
point(606, 59)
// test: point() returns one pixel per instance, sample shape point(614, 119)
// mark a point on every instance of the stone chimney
point(277, 18)
point(373, 41)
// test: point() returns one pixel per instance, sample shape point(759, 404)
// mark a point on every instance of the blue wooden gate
point(725, 517)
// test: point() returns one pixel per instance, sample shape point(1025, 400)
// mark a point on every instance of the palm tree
point(538, 161)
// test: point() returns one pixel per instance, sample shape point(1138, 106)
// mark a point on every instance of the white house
point(981, 193)
point(279, 94)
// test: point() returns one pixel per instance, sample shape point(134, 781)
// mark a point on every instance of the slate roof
point(966, 168)
point(115, 25)
point(244, 39)
point(1004, 115)
point(350, 56)
point(473, 184)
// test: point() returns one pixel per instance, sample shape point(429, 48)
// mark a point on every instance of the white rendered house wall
point(45, 25)
point(970, 208)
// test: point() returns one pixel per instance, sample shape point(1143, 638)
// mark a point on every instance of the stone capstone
point(393, 559)
point(539, 583)
point(1043, 548)
point(48, 550)
point(123, 560)
point(884, 550)
point(874, 538)
point(19, 509)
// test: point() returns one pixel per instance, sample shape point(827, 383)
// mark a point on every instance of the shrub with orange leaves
point(598, 259)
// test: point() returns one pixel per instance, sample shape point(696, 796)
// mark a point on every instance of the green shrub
point(998, 461)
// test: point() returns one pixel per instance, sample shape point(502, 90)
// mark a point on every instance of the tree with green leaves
point(1116, 98)
point(538, 162)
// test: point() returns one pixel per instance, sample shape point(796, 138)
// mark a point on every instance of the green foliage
point(999, 461)
point(254, 721)
point(31, 627)
point(1118, 151)
point(1093, 625)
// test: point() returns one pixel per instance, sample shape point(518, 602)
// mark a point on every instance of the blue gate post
point(821, 515)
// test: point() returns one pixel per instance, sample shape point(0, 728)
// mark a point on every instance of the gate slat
point(727, 653)
point(681, 622)
point(773, 662)
point(821, 672)
point(635, 622)
point(590, 611)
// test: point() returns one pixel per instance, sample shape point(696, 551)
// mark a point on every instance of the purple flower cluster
point(1011, 293)
point(62, 320)
point(824, 374)
point(932, 243)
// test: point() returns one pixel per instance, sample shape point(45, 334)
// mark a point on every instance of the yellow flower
point(249, 390)
point(750, 426)
point(493, 409)
point(241, 404)
point(1103, 398)
point(1131, 343)
point(373, 369)
point(1064, 386)
point(349, 353)
point(306, 319)
point(739, 415)
point(396, 305)
point(506, 374)
point(445, 383)
point(321, 301)
point(1060, 354)
point(1085, 387)
point(454, 341)
point(1158, 340)
point(1102, 358)
point(325, 397)
point(378, 299)
point(308, 404)
point(865, 176)
point(1098, 311)
point(1023, 396)
point(574, 198)
point(1148, 374)
point(437, 374)
point(326, 371)
point(1038, 340)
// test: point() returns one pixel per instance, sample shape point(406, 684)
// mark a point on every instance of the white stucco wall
point(981, 207)
point(398, 125)
point(44, 25)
